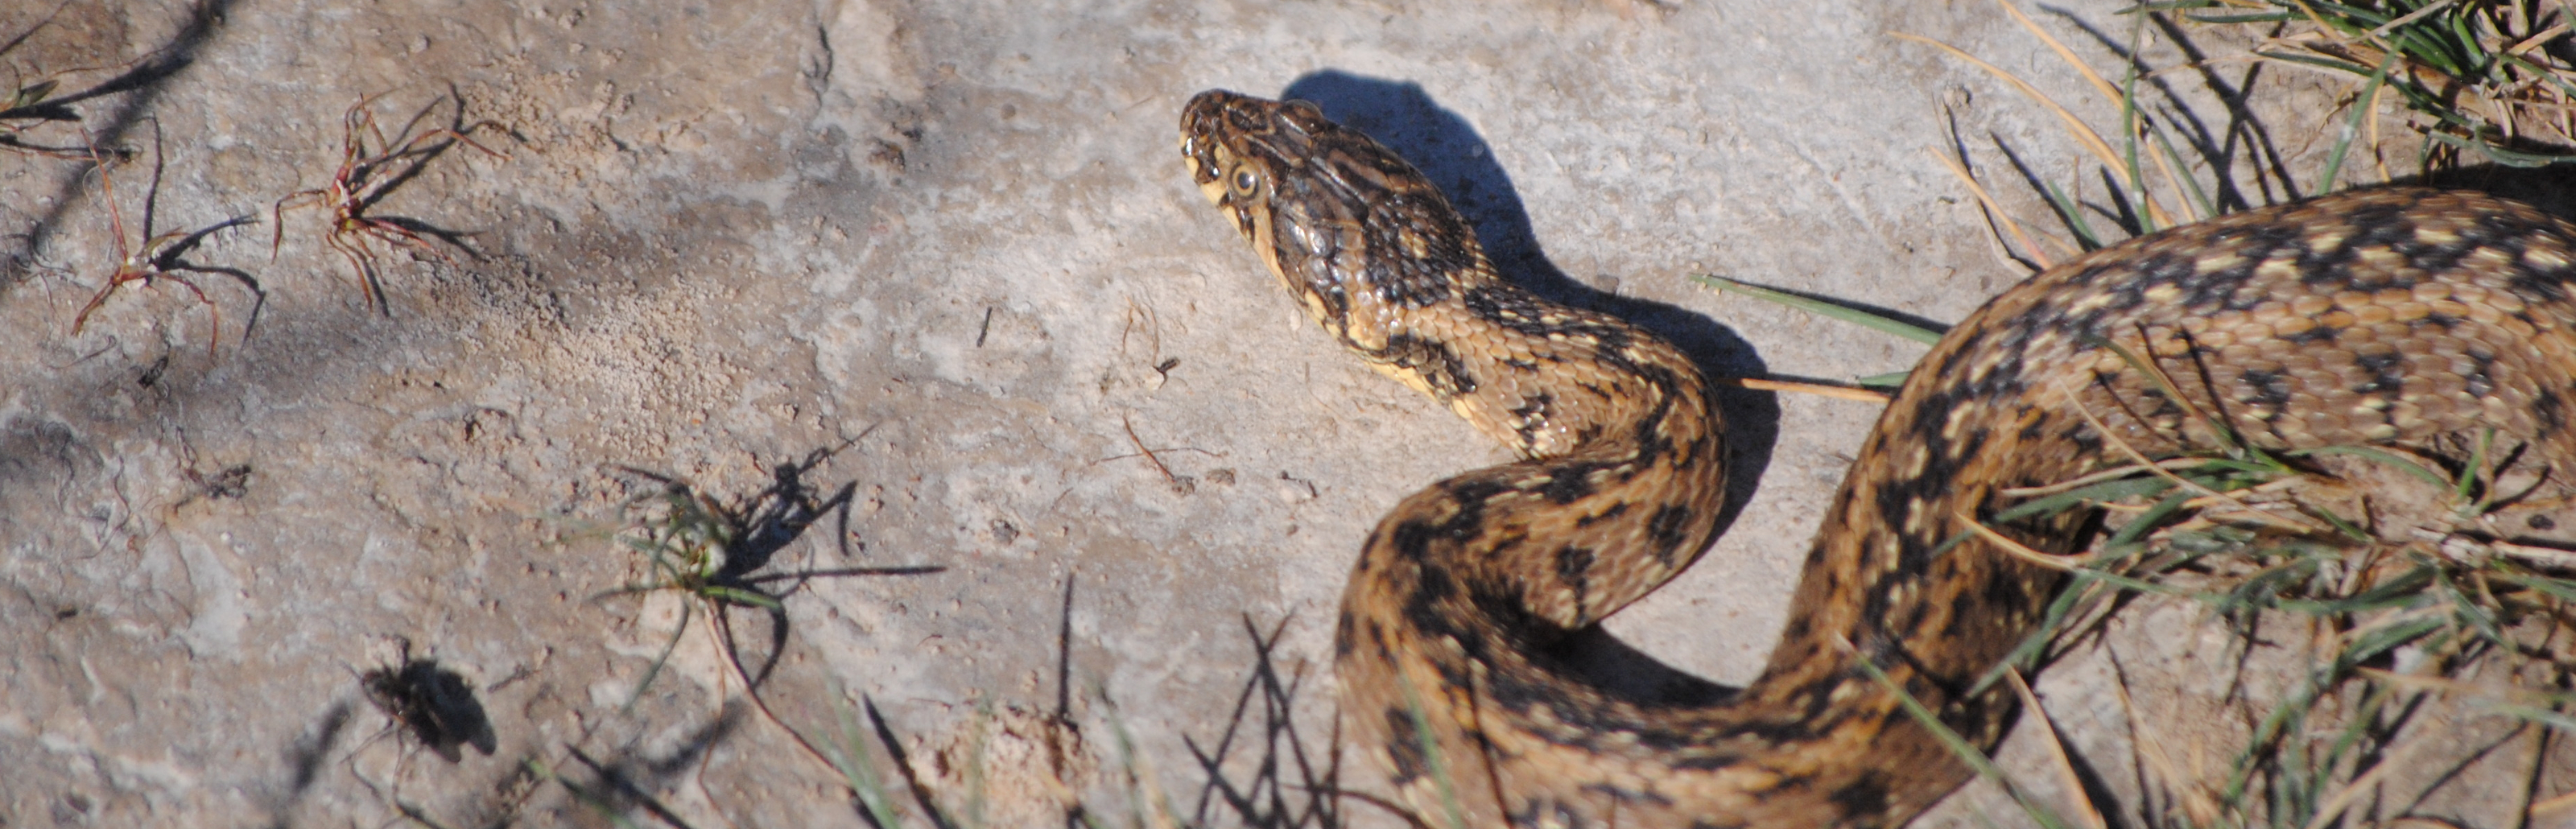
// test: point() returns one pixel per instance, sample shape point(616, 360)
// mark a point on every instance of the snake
point(2385, 316)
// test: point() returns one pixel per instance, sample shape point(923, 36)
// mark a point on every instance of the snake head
point(1343, 222)
point(1238, 146)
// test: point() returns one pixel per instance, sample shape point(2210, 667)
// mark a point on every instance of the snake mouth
point(1202, 122)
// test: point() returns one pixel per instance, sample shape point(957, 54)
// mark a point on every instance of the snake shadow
point(1449, 151)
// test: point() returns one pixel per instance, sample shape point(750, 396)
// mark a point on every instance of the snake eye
point(1245, 182)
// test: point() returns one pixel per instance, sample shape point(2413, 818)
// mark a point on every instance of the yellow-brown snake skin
point(2380, 316)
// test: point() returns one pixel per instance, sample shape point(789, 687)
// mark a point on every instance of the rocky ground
point(924, 291)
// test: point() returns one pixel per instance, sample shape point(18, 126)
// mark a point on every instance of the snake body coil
point(2383, 316)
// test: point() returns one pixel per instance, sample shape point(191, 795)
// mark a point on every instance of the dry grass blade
point(1995, 211)
point(2158, 762)
point(2083, 133)
point(2109, 92)
point(2066, 563)
point(2536, 40)
point(1958, 746)
point(2543, 556)
point(2113, 473)
point(371, 167)
point(158, 257)
point(2139, 458)
point(2073, 782)
point(1818, 389)
point(2146, 364)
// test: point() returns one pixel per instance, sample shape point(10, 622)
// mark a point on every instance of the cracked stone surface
point(1079, 477)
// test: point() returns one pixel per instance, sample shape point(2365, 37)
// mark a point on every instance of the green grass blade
point(2311, 60)
point(2387, 639)
point(2361, 109)
point(2535, 70)
point(2147, 521)
point(2249, 17)
point(2074, 215)
point(2400, 462)
point(1133, 761)
point(2104, 491)
point(1430, 745)
point(858, 764)
point(593, 802)
point(2167, 6)
point(2466, 609)
point(627, 590)
point(2139, 199)
point(736, 595)
point(1820, 307)
point(1959, 746)
point(2285, 717)
point(658, 661)
point(2477, 462)
point(2500, 155)
point(2226, 435)
point(2086, 587)
point(2553, 719)
point(2219, 473)
point(2199, 194)
point(2342, 525)
point(2407, 590)
point(2559, 589)
point(977, 799)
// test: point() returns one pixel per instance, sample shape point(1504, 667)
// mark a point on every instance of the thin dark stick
point(1148, 453)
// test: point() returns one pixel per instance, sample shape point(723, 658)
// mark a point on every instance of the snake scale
point(2376, 316)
